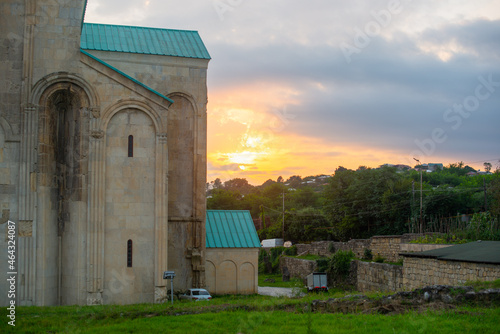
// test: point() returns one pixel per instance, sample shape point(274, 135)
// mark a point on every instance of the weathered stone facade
point(102, 158)
point(420, 272)
point(232, 270)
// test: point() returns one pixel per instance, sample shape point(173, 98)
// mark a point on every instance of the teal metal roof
point(477, 251)
point(153, 41)
point(231, 229)
point(126, 76)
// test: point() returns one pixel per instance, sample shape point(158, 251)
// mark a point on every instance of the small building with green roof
point(232, 247)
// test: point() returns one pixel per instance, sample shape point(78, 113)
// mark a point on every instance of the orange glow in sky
point(248, 138)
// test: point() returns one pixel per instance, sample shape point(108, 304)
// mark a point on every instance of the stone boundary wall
point(372, 276)
point(420, 272)
point(388, 246)
point(322, 247)
point(297, 267)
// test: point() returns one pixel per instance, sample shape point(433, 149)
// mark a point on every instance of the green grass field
point(243, 314)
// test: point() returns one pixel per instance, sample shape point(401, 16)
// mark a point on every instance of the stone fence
point(372, 276)
point(386, 246)
point(297, 267)
point(419, 272)
point(415, 273)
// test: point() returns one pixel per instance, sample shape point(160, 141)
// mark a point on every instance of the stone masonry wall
point(372, 276)
point(420, 272)
point(386, 246)
point(297, 267)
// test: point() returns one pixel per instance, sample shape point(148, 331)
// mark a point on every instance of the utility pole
point(412, 203)
point(485, 197)
point(421, 225)
point(283, 215)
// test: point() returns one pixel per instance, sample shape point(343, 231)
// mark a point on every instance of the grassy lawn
point(252, 314)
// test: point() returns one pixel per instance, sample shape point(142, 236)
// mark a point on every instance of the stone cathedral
point(102, 156)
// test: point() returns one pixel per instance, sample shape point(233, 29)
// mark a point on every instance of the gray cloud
point(392, 93)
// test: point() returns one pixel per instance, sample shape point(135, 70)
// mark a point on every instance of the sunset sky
point(302, 87)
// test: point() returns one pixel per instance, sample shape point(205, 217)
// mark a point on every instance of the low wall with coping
point(412, 248)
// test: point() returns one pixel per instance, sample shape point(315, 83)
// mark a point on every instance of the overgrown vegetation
point(361, 203)
point(269, 262)
point(479, 285)
point(367, 254)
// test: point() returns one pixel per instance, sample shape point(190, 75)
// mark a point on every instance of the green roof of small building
point(230, 229)
point(477, 251)
point(152, 41)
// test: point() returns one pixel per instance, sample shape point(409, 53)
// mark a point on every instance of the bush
point(322, 265)
point(331, 247)
point(367, 254)
point(340, 264)
point(291, 251)
point(379, 259)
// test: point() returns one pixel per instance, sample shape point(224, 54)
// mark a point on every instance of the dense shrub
point(367, 254)
point(340, 263)
point(322, 265)
point(291, 251)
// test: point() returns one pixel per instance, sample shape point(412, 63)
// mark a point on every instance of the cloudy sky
point(302, 87)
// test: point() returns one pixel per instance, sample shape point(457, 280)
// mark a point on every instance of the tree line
point(360, 203)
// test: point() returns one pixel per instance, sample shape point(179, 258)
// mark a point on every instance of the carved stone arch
point(186, 96)
point(54, 81)
point(246, 278)
point(227, 277)
point(99, 284)
point(57, 123)
point(211, 276)
point(132, 104)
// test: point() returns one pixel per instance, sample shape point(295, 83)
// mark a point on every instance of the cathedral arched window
point(129, 253)
point(130, 146)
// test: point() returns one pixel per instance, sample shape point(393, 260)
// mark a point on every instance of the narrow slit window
point(130, 146)
point(129, 253)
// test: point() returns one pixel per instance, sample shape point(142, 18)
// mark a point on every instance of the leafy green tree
point(240, 185)
point(222, 199)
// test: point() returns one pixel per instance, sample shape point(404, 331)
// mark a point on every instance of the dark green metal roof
point(477, 251)
point(231, 229)
point(153, 41)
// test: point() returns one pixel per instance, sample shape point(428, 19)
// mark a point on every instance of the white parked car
point(196, 295)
